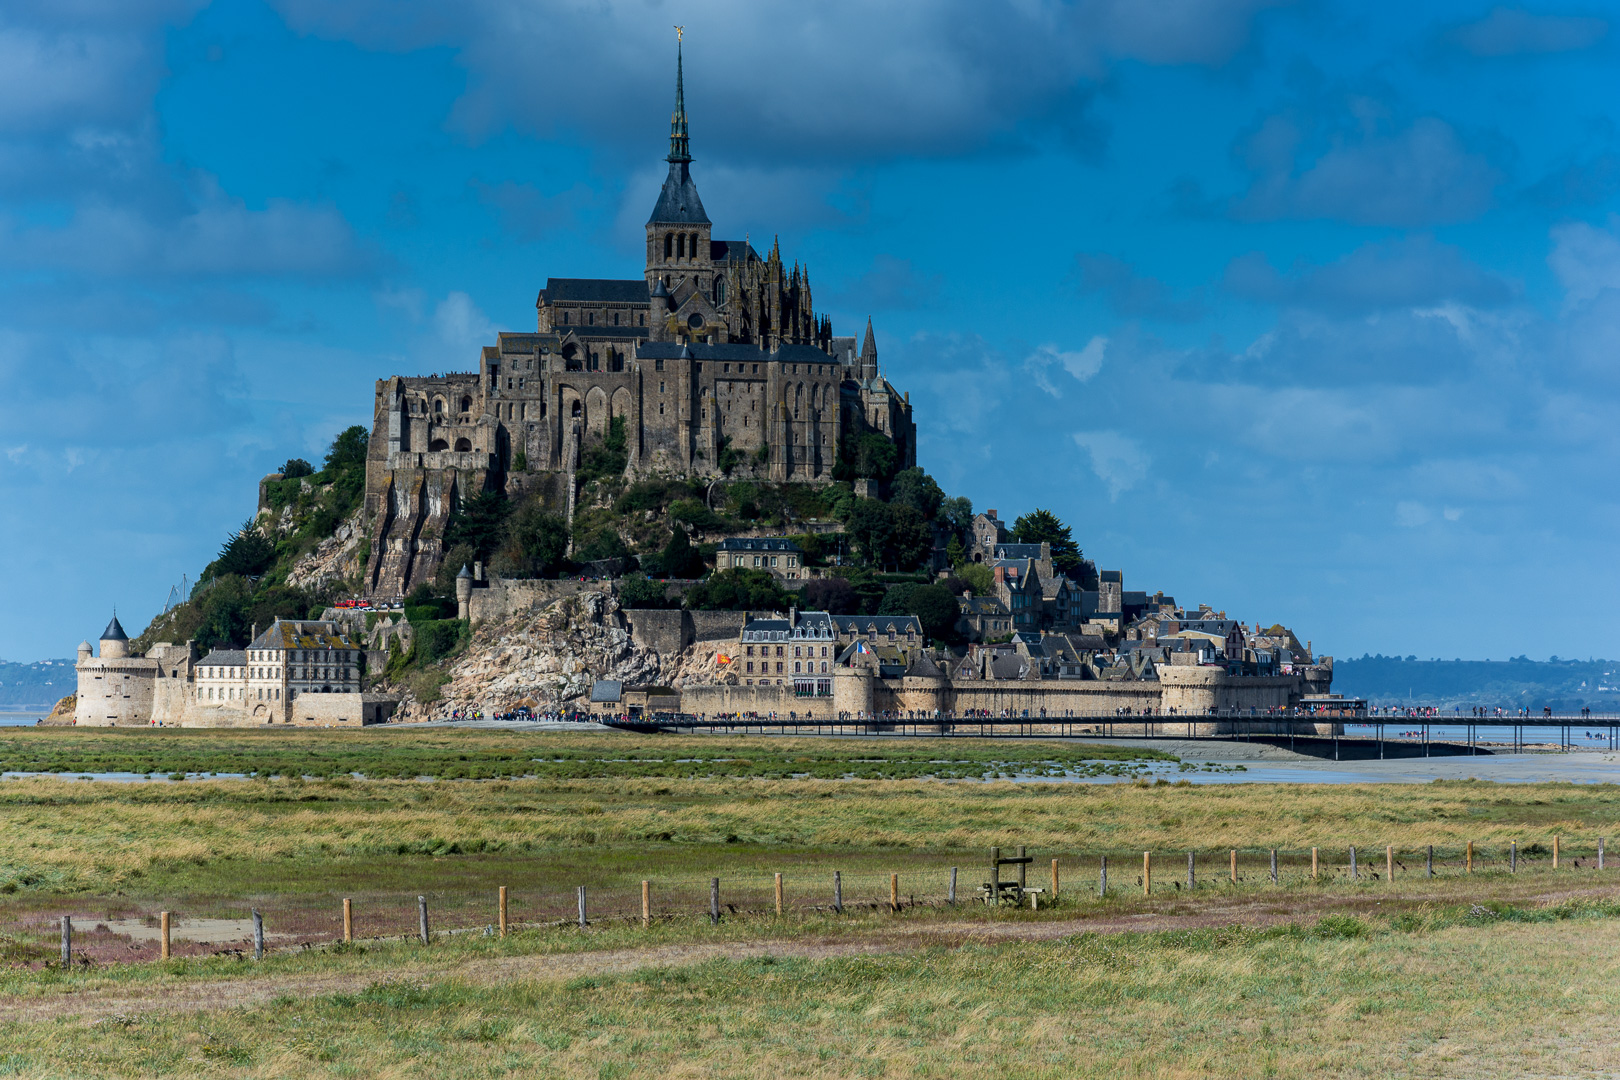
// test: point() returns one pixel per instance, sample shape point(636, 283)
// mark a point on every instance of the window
point(750, 667)
point(658, 365)
point(779, 667)
point(669, 245)
point(748, 651)
point(780, 651)
point(615, 318)
point(592, 317)
point(798, 669)
point(680, 245)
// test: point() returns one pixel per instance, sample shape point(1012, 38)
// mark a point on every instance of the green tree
point(679, 558)
point(897, 600)
point(870, 529)
point(831, 594)
point(935, 607)
point(739, 590)
point(956, 514)
point(955, 553)
point(224, 613)
point(605, 456)
point(977, 577)
point(295, 468)
point(349, 448)
point(912, 540)
point(536, 542)
point(605, 543)
point(479, 522)
point(916, 489)
point(640, 591)
point(1042, 526)
point(248, 553)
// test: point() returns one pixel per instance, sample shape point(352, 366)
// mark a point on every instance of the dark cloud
point(1362, 168)
point(1412, 271)
point(773, 81)
point(889, 284)
point(1130, 294)
point(1510, 31)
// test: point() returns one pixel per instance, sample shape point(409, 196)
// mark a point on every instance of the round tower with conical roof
point(114, 642)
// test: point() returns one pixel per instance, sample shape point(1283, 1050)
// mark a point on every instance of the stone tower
point(114, 642)
point(678, 252)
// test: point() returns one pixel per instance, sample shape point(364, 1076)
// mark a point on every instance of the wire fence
point(122, 930)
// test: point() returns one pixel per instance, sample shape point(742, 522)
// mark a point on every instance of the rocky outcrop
point(545, 659)
point(337, 559)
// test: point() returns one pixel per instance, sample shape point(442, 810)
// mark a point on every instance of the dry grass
point(1443, 994)
point(75, 836)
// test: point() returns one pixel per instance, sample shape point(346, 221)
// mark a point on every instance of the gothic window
point(680, 245)
point(615, 318)
point(438, 406)
point(719, 290)
point(692, 245)
point(466, 404)
point(577, 410)
point(669, 245)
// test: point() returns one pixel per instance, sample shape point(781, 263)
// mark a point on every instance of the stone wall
point(716, 700)
point(115, 692)
point(667, 632)
point(508, 596)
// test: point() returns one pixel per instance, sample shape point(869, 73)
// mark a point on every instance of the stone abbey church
point(712, 349)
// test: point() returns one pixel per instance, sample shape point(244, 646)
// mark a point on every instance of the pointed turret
point(678, 203)
point(869, 353)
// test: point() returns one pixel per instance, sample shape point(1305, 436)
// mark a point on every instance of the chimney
point(478, 571)
point(991, 514)
point(967, 594)
point(793, 617)
point(1001, 575)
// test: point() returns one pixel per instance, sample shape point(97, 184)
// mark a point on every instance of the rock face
point(545, 659)
point(340, 557)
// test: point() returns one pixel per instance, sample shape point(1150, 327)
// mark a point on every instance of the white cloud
point(1118, 460)
point(1410, 515)
point(1586, 258)
point(1513, 31)
point(463, 329)
point(1081, 364)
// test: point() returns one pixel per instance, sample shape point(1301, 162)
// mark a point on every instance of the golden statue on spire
point(680, 32)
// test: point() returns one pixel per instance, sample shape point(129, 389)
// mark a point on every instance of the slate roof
point(757, 543)
point(1018, 551)
point(738, 251)
point(1011, 666)
point(594, 291)
point(603, 332)
point(1111, 575)
point(812, 625)
point(607, 690)
point(114, 631)
point(303, 634)
point(924, 668)
point(980, 605)
point(865, 624)
point(224, 658)
point(678, 202)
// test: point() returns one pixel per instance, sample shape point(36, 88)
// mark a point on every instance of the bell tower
point(678, 252)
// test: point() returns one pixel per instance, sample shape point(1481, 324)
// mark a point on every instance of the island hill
point(737, 486)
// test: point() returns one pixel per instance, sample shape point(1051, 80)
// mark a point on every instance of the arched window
point(578, 410)
point(680, 245)
point(565, 318)
point(438, 406)
point(692, 245)
point(593, 318)
point(669, 245)
point(466, 404)
point(463, 446)
point(615, 318)
point(719, 290)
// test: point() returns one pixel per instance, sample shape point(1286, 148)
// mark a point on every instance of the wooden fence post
point(1470, 857)
point(1054, 879)
point(258, 935)
point(502, 912)
point(1513, 857)
point(714, 901)
point(894, 892)
point(1555, 853)
point(163, 931)
point(778, 896)
point(1600, 853)
point(1102, 883)
point(1147, 872)
point(838, 889)
point(646, 904)
point(582, 920)
point(421, 918)
point(1429, 862)
point(348, 919)
point(1313, 864)
point(1234, 866)
point(67, 941)
point(1192, 880)
point(1354, 874)
point(994, 899)
point(1389, 863)
point(950, 897)
point(1274, 866)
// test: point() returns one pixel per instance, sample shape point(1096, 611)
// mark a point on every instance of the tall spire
point(680, 149)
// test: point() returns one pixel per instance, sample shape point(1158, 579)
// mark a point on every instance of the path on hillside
point(180, 995)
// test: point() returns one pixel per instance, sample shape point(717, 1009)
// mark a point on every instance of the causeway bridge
point(1308, 733)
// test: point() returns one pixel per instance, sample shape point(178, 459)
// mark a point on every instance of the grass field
point(1461, 975)
point(1454, 991)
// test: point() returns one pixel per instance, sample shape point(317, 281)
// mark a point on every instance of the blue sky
point(1308, 311)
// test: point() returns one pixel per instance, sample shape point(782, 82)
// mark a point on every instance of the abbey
point(714, 359)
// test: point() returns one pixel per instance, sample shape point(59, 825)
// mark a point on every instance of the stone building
point(296, 672)
point(714, 354)
point(778, 554)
